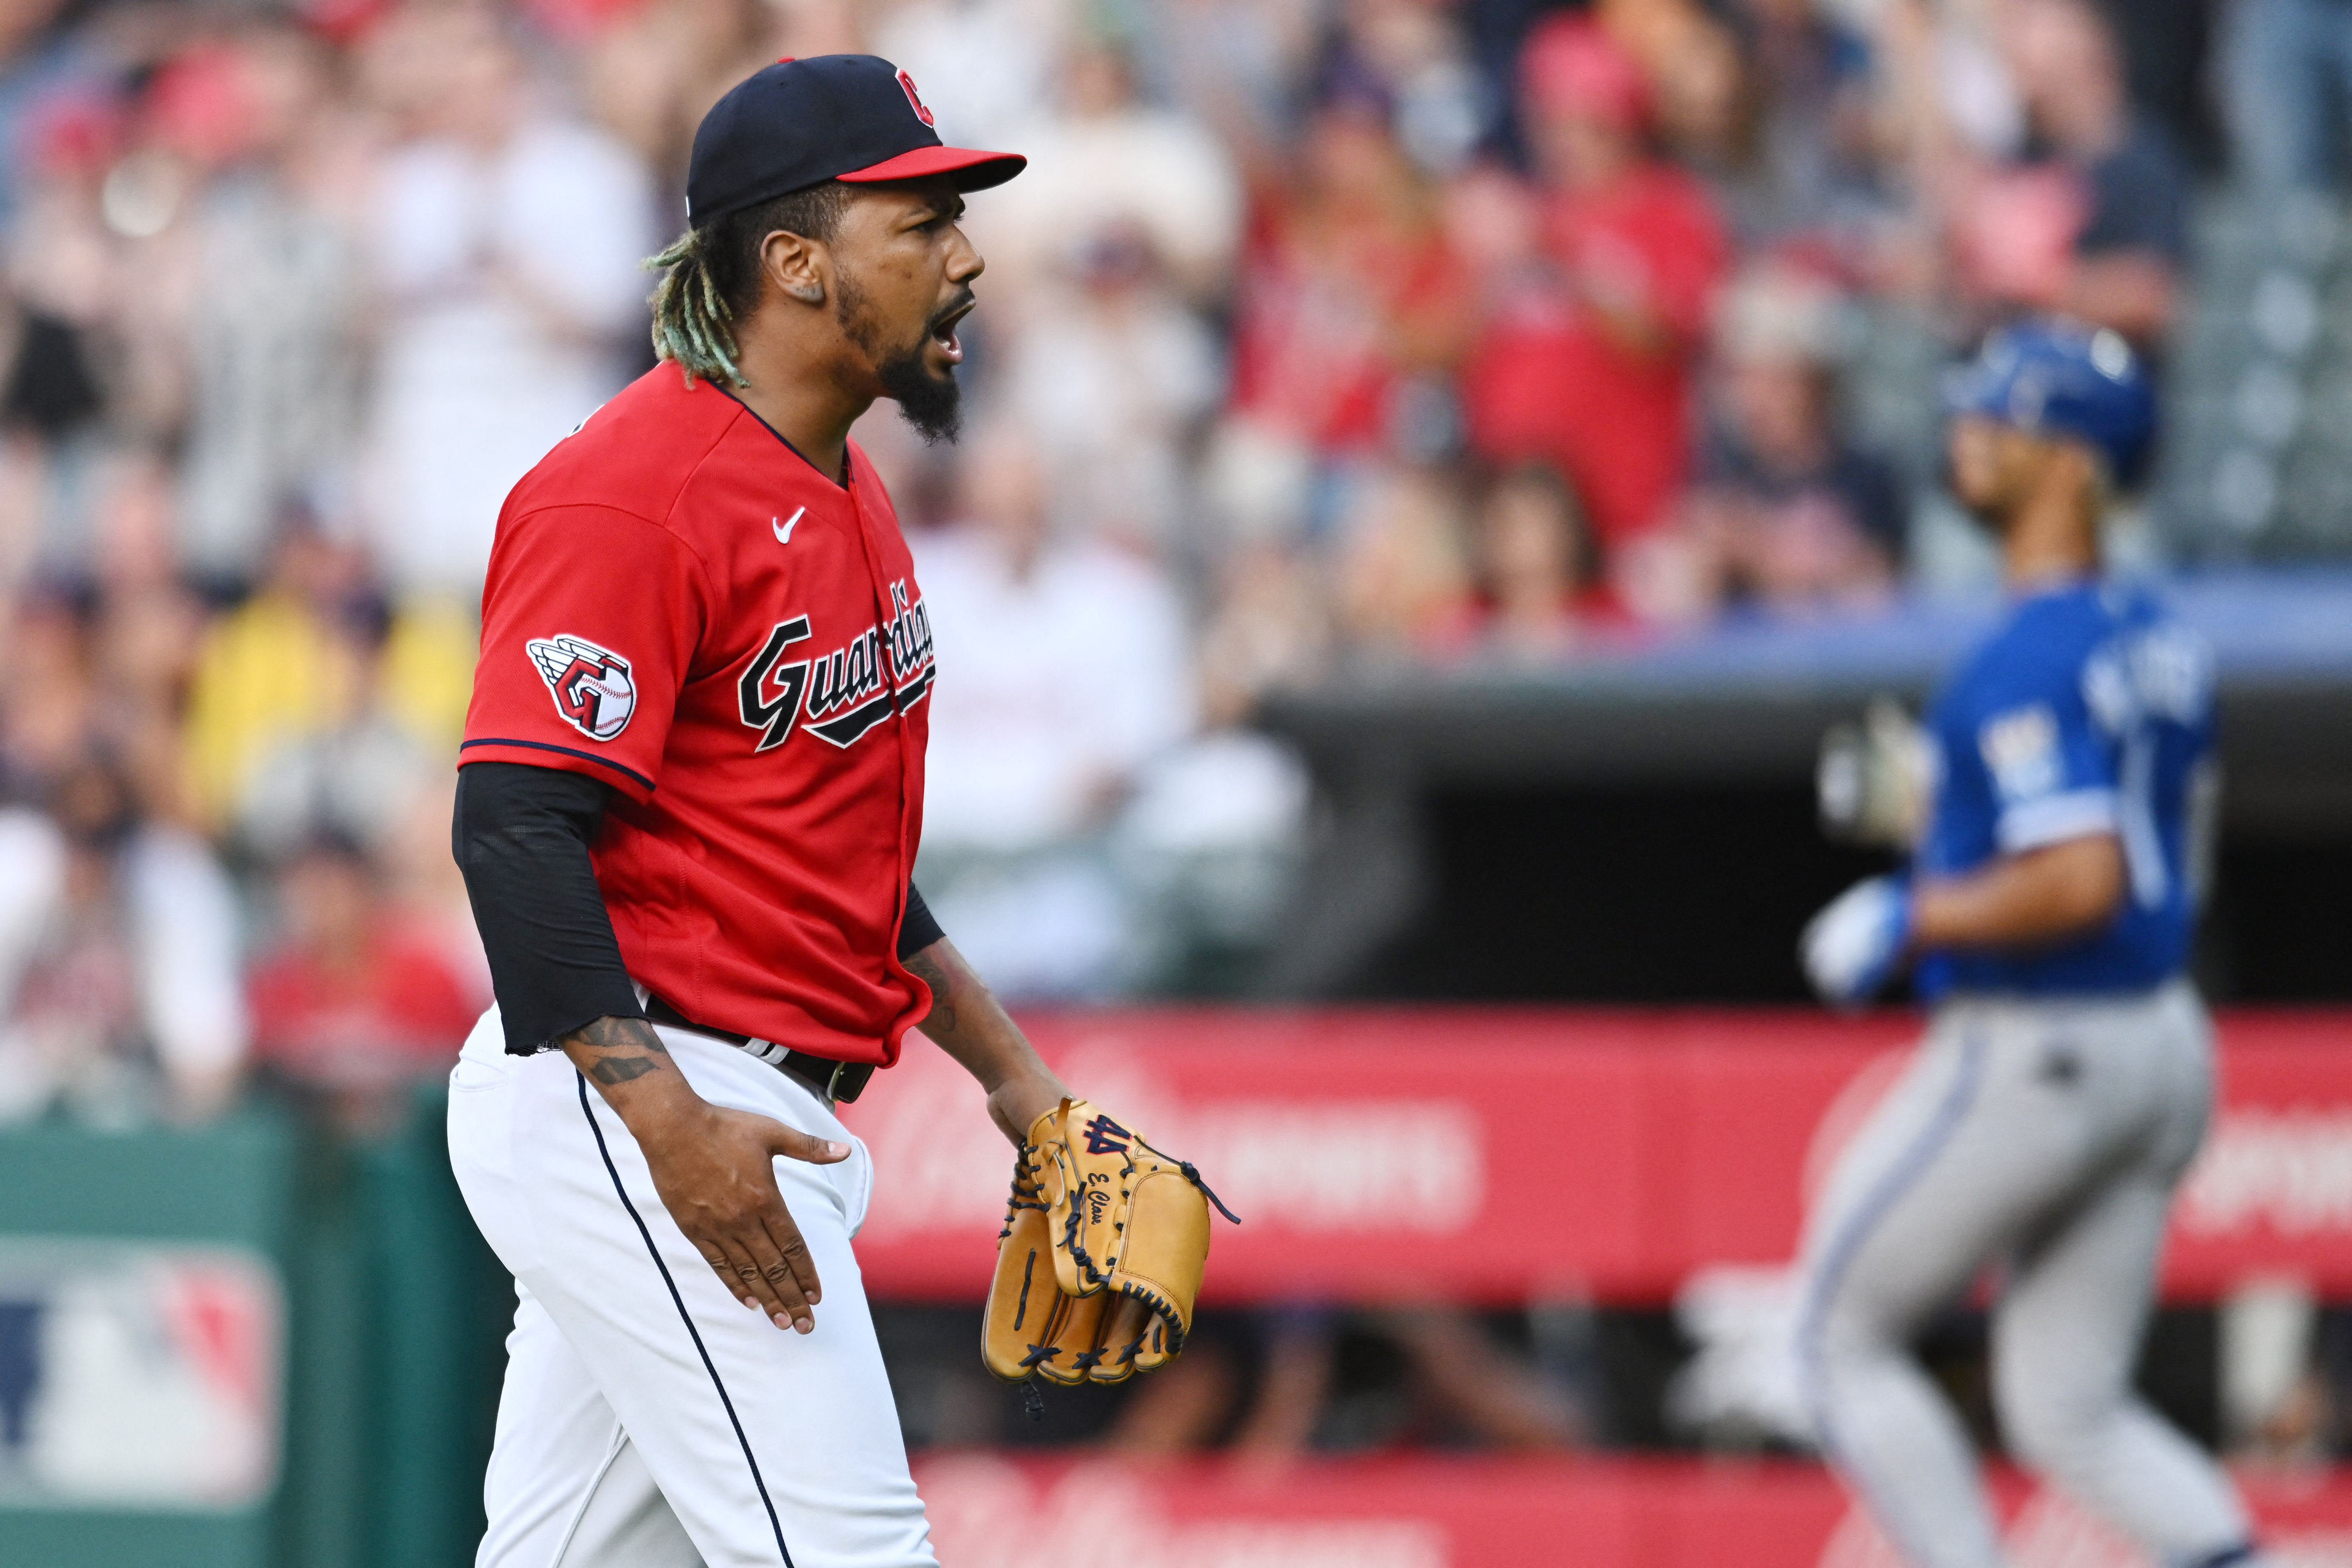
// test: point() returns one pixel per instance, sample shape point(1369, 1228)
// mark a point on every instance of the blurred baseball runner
point(2067, 1078)
point(691, 794)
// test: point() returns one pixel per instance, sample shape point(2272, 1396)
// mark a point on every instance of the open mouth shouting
point(943, 329)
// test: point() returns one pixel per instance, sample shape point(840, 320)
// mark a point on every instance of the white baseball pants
point(649, 1419)
point(2049, 1134)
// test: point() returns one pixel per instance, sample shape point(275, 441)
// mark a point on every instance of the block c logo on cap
point(906, 85)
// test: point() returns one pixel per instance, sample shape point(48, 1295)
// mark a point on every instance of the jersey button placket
point(880, 589)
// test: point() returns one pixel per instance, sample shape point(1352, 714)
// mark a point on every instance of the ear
point(799, 267)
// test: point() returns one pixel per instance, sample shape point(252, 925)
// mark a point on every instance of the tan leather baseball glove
point(1101, 1255)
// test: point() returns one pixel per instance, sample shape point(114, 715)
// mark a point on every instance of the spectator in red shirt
point(1588, 357)
point(1350, 291)
point(354, 1002)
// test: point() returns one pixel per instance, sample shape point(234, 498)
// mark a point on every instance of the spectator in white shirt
point(1063, 660)
point(506, 249)
point(1114, 440)
point(1064, 670)
point(1106, 161)
point(120, 991)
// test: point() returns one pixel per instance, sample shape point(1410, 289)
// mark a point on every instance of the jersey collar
point(841, 484)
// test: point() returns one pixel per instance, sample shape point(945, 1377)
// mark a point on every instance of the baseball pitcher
point(689, 798)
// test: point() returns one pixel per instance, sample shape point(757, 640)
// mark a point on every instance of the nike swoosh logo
point(784, 529)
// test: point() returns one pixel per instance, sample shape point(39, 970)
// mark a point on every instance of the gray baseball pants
point(2047, 1135)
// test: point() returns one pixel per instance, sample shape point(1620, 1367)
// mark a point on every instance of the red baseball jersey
point(681, 606)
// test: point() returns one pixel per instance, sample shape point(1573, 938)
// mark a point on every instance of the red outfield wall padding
point(1511, 1153)
point(990, 1511)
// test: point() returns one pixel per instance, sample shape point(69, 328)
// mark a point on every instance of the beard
point(933, 403)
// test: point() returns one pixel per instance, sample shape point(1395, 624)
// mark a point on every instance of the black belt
point(839, 1082)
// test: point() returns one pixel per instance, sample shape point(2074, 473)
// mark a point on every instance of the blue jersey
point(2091, 711)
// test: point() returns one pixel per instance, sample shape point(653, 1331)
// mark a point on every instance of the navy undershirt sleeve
point(521, 835)
point(919, 929)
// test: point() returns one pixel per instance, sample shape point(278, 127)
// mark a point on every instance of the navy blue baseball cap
point(2058, 378)
point(836, 117)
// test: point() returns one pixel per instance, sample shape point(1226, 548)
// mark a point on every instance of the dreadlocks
point(710, 275)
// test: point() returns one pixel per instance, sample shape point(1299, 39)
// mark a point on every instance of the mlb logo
point(136, 1374)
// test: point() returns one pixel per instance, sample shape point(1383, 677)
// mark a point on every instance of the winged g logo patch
point(591, 685)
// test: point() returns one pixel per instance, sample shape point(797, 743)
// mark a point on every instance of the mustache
point(963, 302)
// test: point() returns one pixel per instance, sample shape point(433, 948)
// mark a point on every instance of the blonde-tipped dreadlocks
point(691, 320)
point(710, 276)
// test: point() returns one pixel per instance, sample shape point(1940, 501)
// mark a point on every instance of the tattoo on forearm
point(608, 1034)
point(941, 1019)
point(634, 1034)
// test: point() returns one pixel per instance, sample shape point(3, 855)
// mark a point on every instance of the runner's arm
point(2026, 900)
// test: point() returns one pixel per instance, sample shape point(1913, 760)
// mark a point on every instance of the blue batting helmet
point(2056, 378)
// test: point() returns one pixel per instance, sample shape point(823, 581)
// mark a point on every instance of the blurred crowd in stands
point(1322, 339)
